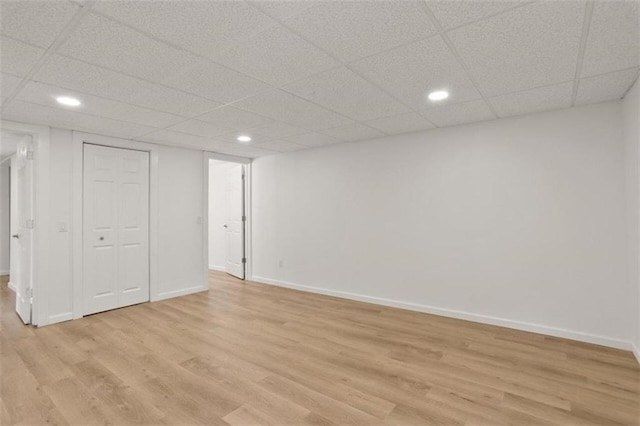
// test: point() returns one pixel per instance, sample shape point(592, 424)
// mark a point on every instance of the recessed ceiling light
point(244, 138)
point(65, 100)
point(438, 95)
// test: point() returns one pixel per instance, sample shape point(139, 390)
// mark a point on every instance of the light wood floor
point(246, 354)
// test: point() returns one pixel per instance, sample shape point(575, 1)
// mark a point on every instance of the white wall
point(5, 232)
point(518, 222)
point(180, 209)
point(631, 108)
point(60, 282)
point(217, 214)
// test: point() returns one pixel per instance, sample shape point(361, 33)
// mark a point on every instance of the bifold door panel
point(115, 228)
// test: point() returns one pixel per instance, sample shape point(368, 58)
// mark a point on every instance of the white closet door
point(116, 228)
point(234, 222)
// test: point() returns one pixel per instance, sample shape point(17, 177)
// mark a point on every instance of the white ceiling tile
point(295, 58)
point(216, 82)
point(534, 100)
point(605, 87)
point(171, 137)
point(352, 29)
point(244, 151)
point(32, 113)
point(282, 106)
point(531, 46)
point(18, 58)
point(173, 101)
point(277, 129)
point(106, 43)
point(451, 115)
point(86, 78)
point(283, 9)
point(281, 146)
point(613, 42)
point(412, 71)
point(402, 123)
point(8, 83)
point(204, 27)
point(35, 22)
point(343, 91)
point(234, 118)
point(200, 128)
point(453, 13)
point(43, 94)
point(313, 139)
point(353, 132)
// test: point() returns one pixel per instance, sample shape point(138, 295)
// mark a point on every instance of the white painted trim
point(205, 217)
point(41, 142)
point(79, 139)
point(181, 292)
point(66, 316)
point(12, 286)
point(217, 268)
point(247, 211)
point(451, 313)
point(226, 157)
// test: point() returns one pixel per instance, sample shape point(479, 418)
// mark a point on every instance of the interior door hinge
point(30, 223)
point(244, 260)
point(244, 218)
point(29, 155)
point(29, 293)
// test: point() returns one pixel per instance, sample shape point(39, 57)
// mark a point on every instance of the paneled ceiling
point(299, 74)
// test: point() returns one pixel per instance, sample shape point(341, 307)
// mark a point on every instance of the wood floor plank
point(251, 354)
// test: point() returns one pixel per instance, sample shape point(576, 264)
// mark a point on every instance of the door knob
point(225, 226)
point(101, 238)
point(16, 236)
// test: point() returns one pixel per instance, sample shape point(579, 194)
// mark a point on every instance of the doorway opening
point(227, 217)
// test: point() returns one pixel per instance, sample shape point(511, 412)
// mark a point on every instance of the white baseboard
point(12, 286)
point(484, 319)
point(4, 272)
point(217, 268)
point(181, 292)
point(636, 352)
point(66, 316)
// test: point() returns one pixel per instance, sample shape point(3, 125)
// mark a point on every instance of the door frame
point(79, 139)
point(246, 162)
point(40, 252)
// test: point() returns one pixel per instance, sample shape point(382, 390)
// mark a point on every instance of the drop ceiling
point(301, 74)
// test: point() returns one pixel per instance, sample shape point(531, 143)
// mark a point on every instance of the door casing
point(79, 139)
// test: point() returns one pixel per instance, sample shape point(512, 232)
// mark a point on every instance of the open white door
point(22, 278)
point(235, 220)
point(115, 228)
